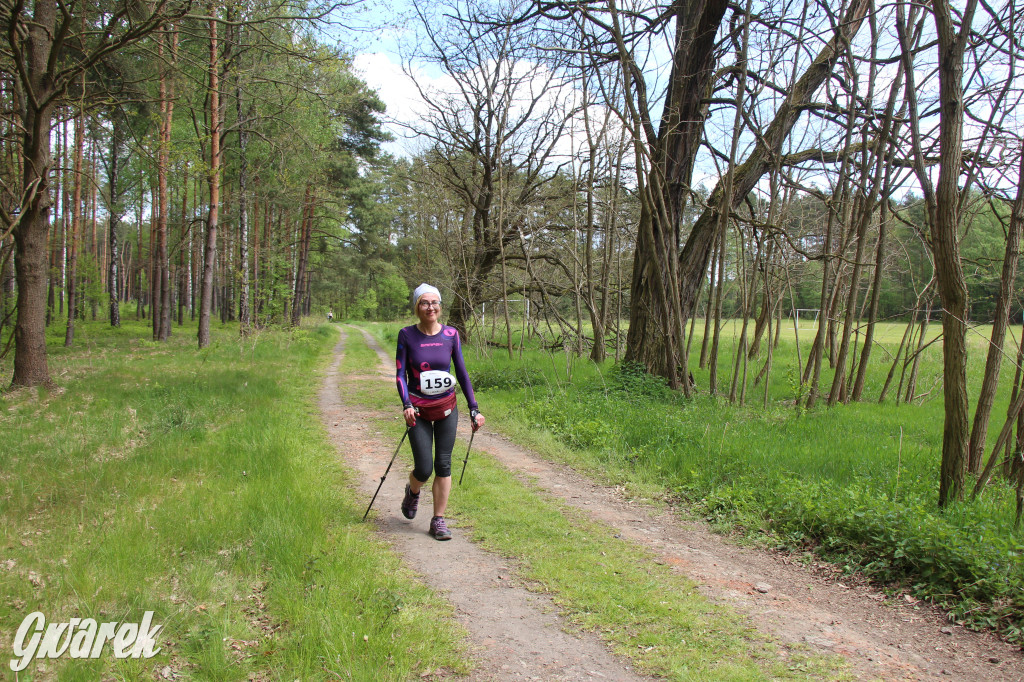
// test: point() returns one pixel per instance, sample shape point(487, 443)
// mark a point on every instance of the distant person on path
point(425, 354)
point(330, 316)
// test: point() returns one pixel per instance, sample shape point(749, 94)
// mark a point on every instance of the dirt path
point(882, 638)
point(516, 634)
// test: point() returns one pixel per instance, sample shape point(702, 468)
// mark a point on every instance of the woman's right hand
point(410, 416)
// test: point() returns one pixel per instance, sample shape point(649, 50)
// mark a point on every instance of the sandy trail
point(517, 634)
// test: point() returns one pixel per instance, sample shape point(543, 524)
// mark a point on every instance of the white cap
point(424, 289)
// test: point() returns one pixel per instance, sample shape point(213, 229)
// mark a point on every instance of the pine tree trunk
point(244, 314)
point(113, 223)
point(76, 223)
point(210, 256)
point(57, 234)
point(303, 256)
point(30, 365)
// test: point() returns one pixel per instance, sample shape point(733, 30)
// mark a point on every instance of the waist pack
point(436, 410)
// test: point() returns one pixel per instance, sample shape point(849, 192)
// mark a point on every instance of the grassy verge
point(201, 486)
point(856, 484)
point(606, 584)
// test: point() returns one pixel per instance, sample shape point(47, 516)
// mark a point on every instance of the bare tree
point(492, 140)
point(944, 201)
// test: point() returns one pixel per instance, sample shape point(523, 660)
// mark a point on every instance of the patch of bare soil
point(810, 606)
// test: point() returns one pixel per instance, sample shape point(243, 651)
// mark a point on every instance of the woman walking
point(425, 354)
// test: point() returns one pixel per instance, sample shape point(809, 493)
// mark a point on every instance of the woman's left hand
point(478, 421)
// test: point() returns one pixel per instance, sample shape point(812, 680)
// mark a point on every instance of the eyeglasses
point(430, 304)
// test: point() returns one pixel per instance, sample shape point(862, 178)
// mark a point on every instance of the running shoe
point(439, 530)
point(410, 503)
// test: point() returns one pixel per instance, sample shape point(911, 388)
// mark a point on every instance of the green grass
point(358, 358)
point(201, 485)
point(603, 583)
point(857, 483)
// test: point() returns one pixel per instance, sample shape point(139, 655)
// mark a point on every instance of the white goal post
point(806, 315)
point(498, 310)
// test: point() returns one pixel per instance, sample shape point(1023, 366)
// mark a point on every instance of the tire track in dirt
point(810, 607)
point(515, 634)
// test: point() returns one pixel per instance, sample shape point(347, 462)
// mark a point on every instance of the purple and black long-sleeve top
point(418, 352)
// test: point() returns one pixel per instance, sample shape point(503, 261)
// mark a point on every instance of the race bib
point(436, 382)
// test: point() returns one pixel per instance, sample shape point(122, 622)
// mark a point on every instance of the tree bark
point(244, 314)
point(658, 312)
point(30, 365)
point(949, 270)
point(76, 228)
point(693, 260)
point(213, 179)
point(114, 221)
point(303, 256)
point(994, 359)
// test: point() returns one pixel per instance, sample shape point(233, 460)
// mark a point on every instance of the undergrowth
point(857, 484)
point(201, 485)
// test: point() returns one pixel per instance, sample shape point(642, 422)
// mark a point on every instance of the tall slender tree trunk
point(140, 268)
point(154, 264)
point(184, 255)
point(114, 221)
point(57, 236)
point(915, 360)
point(76, 223)
point(994, 359)
point(210, 256)
point(7, 279)
point(228, 273)
point(717, 320)
point(244, 314)
point(162, 278)
point(303, 255)
point(62, 286)
point(952, 41)
point(876, 291)
point(709, 309)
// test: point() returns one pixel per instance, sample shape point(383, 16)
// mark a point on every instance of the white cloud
point(405, 107)
point(395, 89)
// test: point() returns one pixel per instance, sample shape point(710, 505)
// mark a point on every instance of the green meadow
point(856, 484)
point(202, 486)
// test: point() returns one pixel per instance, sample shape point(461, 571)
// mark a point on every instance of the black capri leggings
point(442, 433)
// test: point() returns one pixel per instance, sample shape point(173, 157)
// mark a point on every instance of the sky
point(382, 29)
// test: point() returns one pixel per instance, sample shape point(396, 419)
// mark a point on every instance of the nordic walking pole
point(387, 470)
point(472, 417)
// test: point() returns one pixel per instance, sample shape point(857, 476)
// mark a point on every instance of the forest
point(610, 175)
point(713, 197)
